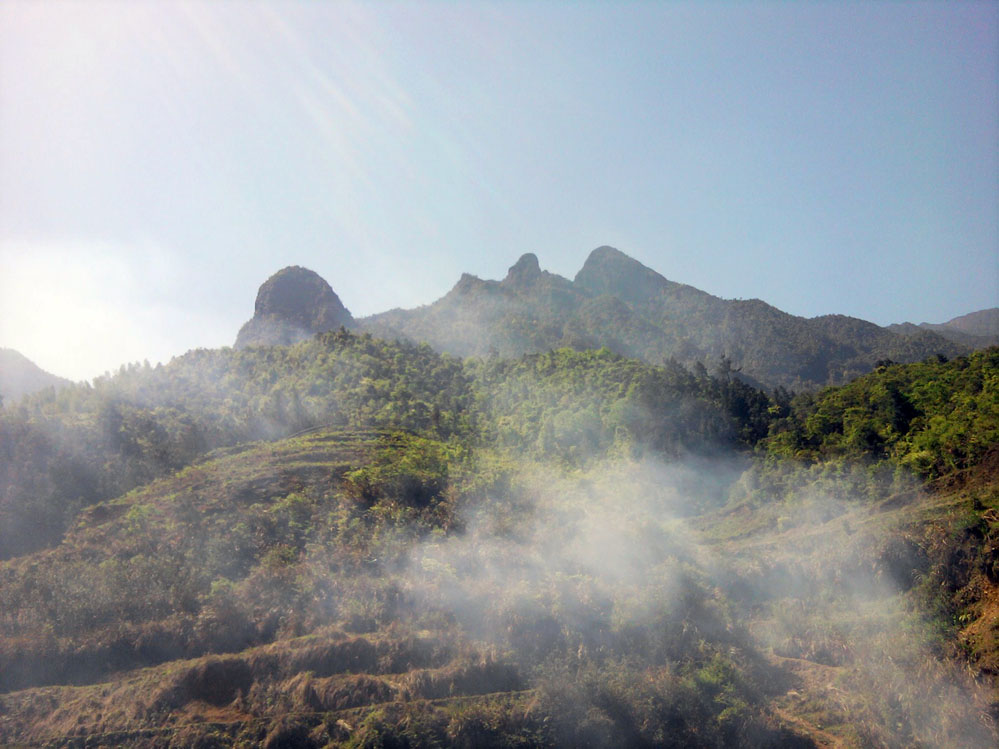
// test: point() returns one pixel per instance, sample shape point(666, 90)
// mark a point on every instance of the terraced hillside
point(309, 591)
point(323, 603)
point(568, 549)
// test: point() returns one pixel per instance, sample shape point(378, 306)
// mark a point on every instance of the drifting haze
point(577, 564)
point(825, 158)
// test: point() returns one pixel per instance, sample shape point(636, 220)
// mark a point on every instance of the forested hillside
point(65, 450)
point(62, 451)
point(933, 417)
point(357, 542)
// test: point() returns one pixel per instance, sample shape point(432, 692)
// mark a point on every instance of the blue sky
point(158, 161)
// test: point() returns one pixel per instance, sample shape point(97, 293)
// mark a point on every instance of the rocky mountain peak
point(293, 304)
point(467, 283)
point(525, 269)
point(606, 258)
point(605, 253)
point(298, 294)
point(609, 271)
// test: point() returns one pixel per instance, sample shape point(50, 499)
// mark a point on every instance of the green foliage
point(931, 417)
point(409, 471)
point(60, 452)
point(578, 404)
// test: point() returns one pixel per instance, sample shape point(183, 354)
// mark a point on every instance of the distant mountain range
point(977, 329)
point(20, 376)
point(617, 302)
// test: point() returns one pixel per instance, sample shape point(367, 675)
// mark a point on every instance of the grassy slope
point(129, 583)
point(885, 615)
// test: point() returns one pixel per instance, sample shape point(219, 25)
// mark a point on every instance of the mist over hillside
point(352, 541)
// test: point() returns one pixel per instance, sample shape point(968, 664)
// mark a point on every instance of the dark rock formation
point(292, 305)
point(525, 270)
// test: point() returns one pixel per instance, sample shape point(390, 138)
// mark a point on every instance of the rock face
point(292, 305)
point(609, 271)
point(524, 271)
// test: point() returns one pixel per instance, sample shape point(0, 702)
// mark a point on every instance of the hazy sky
point(158, 161)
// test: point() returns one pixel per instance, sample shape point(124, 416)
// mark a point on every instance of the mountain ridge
point(975, 329)
point(20, 376)
point(618, 302)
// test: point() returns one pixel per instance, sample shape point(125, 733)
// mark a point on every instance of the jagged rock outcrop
point(292, 305)
point(524, 271)
point(609, 271)
point(530, 310)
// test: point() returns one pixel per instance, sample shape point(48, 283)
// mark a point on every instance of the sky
point(160, 160)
